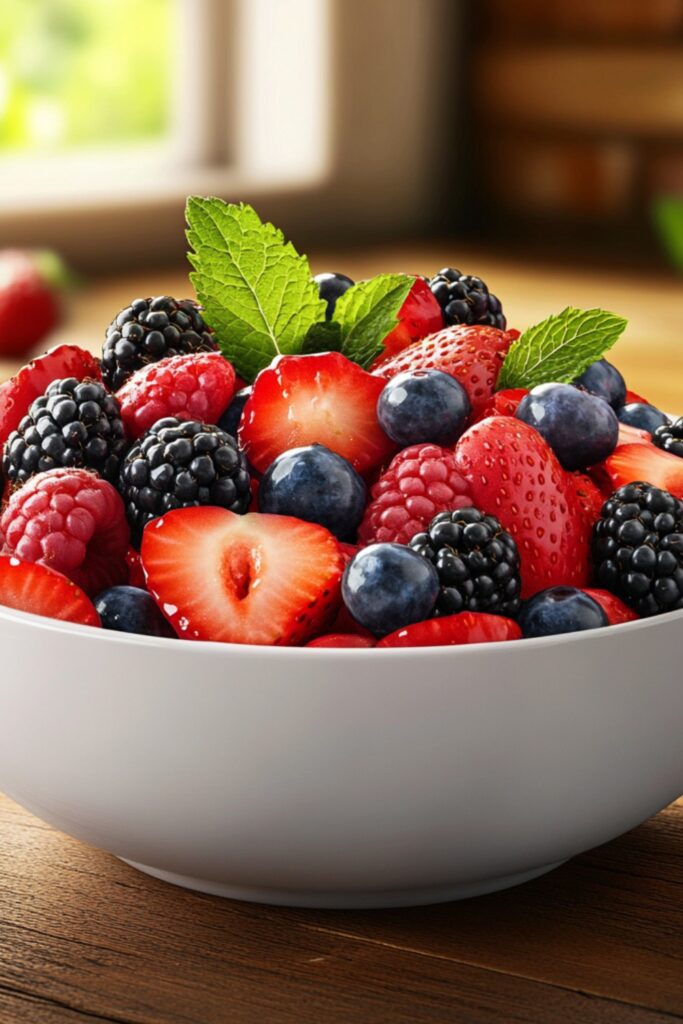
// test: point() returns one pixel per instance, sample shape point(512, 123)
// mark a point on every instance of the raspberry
point(71, 521)
point(194, 387)
point(420, 482)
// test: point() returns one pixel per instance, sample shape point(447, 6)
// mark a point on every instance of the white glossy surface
point(342, 778)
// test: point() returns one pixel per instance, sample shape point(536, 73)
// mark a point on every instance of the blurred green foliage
point(84, 72)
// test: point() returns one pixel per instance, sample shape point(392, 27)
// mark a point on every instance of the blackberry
point(638, 548)
point(466, 300)
point(75, 424)
point(477, 562)
point(182, 463)
point(669, 437)
point(149, 330)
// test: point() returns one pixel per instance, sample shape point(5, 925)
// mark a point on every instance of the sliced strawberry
point(463, 628)
point(345, 623)
point(514, 475)
point(341, 640)
point(632, 462)
point(633, 396)
point(473, 355)
point(31, 381)
point(419, 316)
point(503, 403)
point(615, 610)
point(348, 551)
point(34, 588)
point(301, 400)
point(136, 576)
point(632, 435)
point(198, 386)
point(253, 579)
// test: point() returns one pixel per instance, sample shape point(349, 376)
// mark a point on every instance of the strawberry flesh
point(633, 462)
point(34, 588)
point(341, 640)
point(463, 628)
point(419, 316)
point(252, 579)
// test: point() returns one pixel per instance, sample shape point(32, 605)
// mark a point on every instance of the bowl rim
point(76, 630)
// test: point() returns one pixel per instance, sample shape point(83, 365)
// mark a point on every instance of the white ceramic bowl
point(342, 778)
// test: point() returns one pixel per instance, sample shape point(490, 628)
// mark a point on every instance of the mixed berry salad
point(298, 460)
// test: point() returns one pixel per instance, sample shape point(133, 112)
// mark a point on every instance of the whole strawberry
point(29, 300)
point(514, 475)
point(473, 355)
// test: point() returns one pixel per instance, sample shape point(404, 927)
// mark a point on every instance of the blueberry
point(560, 610)
point(230, 420)
point(604, 380)
point(317, 485)
point(423, 405)
point(643, 416)
point(581, 429)
point(331, 287)
point(388, 586)
point(131, 610)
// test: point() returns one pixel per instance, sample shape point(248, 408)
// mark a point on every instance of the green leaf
point(255, 288)
point(322, 337)
point(367, 312)
point(668, 216)
point(560, 347)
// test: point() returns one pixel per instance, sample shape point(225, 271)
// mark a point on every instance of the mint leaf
point(255, 288)
point(560, 348)
point(322, 337)
point(367, 312)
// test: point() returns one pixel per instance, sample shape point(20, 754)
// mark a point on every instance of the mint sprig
point(367, 312)
point(256, 290)
point(560, 348)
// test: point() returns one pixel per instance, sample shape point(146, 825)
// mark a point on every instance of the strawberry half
point(31, 381)
point(419, 316)
point(632, 462)
point(324, 399)
point(503, 403)
point(341, 640)
point(34, 588)
point(253, 579)
point(615, 609)
point(514, 475)
point(463, 628)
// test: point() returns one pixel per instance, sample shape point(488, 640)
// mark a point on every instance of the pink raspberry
point(420, 482)
point(192, 387)
point(72, 521)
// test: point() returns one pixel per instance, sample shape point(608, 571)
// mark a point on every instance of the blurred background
point(538, 145)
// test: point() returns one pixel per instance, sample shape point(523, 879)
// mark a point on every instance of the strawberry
point(252, 579)
point(503, 403)
point(632, 435)
point(633, 396)
point(615, 609)
point(301, 400)
point(29, 299)
point(198, 386)
point(633, 462)
point(463, 628)
point(136, 576)
point(473, 355)
point(341, 640)
point(589, 496)
point(514, 475)
point(31, 381)
point(419, 316)
point(34, 588)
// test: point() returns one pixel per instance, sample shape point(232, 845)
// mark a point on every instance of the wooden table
point(84, 938)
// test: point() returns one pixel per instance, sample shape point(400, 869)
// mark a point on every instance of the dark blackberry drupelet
point(477, 562)
point(149, 330)
point(466, 300)
point(638, 548)
point(669, 437)
point(75, 424)
point(179, 464)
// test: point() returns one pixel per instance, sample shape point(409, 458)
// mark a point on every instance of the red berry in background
point(341, 640)
point(198, 386)
point(448, 630)
point(473, 355)
point(324, 399)
point(503, 403)
point(32, 380)
point(72, 521)
point(633, 396)
point(136, 574)
point(420, 481)
point(419, 316)
point(615, 609)
point(29, 298)
point(514, 475)
point(630, 463)
point(34, 588)
point(252, 579)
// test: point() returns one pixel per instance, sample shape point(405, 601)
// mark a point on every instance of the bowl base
point(354, 900)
